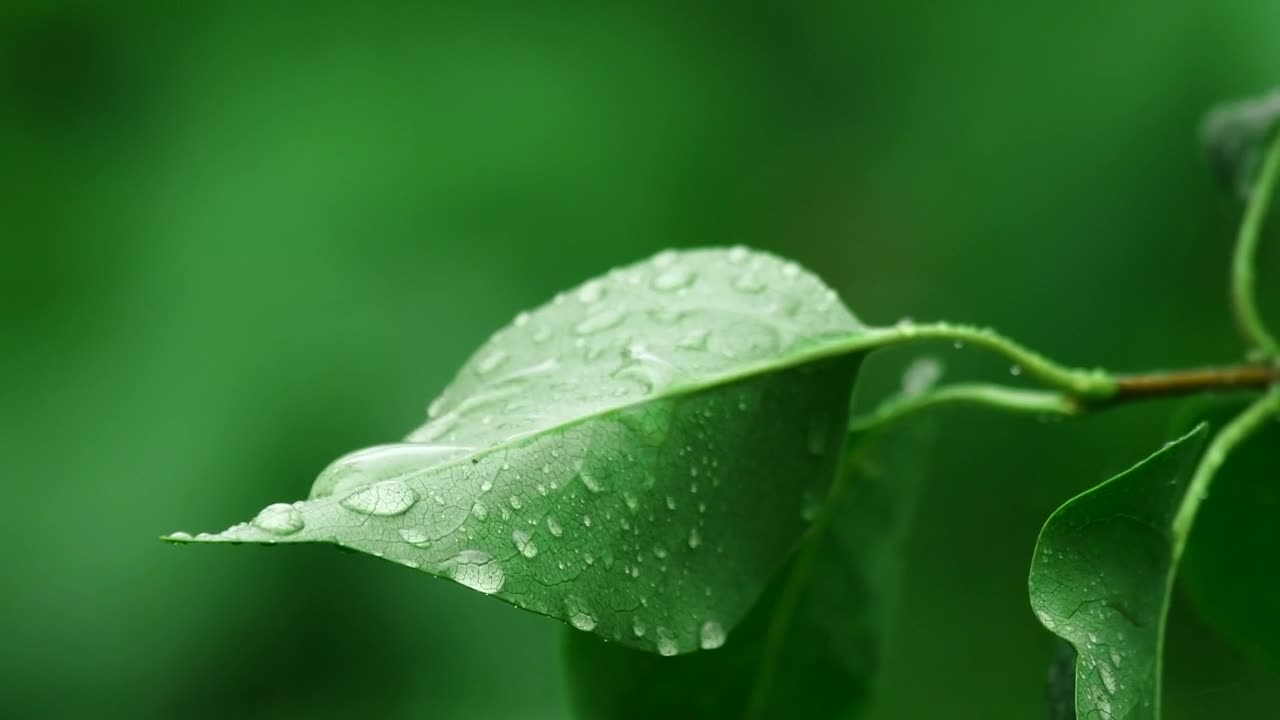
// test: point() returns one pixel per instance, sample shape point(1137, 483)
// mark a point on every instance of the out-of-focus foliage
point(243, 238)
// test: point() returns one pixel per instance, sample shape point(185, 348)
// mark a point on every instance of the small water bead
point(790, 270)
point(671, 503)
point(632, 503)
point(737, 254)
point(477, 570)
point(554, 527)
point(695, 340)
point(665, 259)
point(711, 636)
point(479, 510)
point(600, 321)
point(414, 536)
point(515, 502)
point(638, 627)
point(674, 278)
point(521, 319)
point(695, 539)
point(491, 362)
point(586, 520)
point(386, 498)
point(524, 543)
point(750, 282)
point(486, 486)
point(660, 552)
point(279, 519)
point(582, 620)
point(1015, 370)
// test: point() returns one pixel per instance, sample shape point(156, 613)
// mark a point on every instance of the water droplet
point(632, 503)
point(1015, 370)
point(279, 519)
point(591, 292)
point(586, 520)
point(542, 334)
point(637, 627)
point(522, 319)
point(515, 502)
point(660, 552)
point(554, 527)
point(386, 498)
point(711, 636)
point(666, 258)
point(600, 321)
point(590, 481)
point(671, 503)
point(414, 536)
point(750, 282)
point(524, 543)
point(180, 535)
point(479, 510)
point(580, 618)
point(486, 486)
point(666, 644)
point(477, 570)
point(695, 340)
point(491, 362)
point(737, 254)
point(790, 270)
point(674, 278)
point(695, 539)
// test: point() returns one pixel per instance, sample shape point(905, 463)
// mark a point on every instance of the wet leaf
point(811, 647)
point(1101, 578)
point(641, 451)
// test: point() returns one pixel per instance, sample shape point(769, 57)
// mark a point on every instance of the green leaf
point(1235, 135)
point(1220, 570)
point(639, 453)
point(811, 647)
point(1101, 578)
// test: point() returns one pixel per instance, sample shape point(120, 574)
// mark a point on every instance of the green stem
point(1234, 433)
point(1006, 398)
point(1242, 268)
point(1095, 384)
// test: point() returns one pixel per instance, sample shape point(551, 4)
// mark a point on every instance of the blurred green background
point(241, 240)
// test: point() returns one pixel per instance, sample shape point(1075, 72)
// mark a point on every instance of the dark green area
point(241, 240)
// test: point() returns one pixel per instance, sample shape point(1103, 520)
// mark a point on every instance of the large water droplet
point(673, 278)
point(600, 321)
point(414, 536)
point(524, 543)
point(386, 498)
point(477, 570)
point(591, 292)
point(554, 526)
point(711, 636)
point(479, 510)
point(591, 482)
point(581, 619)
point(279, 519)
point(180, 535)
point(666, 644)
